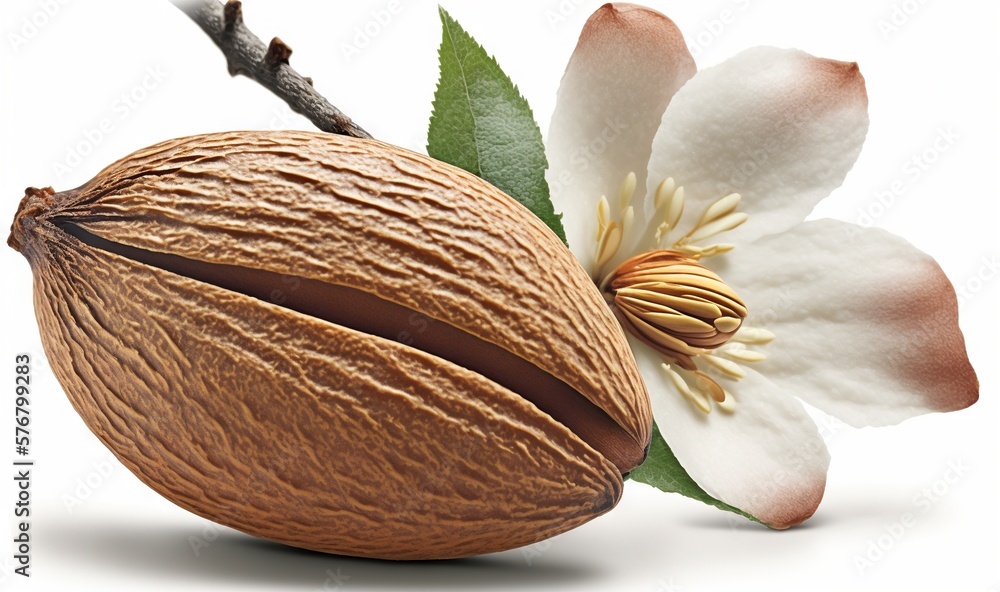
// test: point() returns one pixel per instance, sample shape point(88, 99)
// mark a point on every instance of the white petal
point(866, 325)
point(778, 126)
point(628, 63)
point(766, 457)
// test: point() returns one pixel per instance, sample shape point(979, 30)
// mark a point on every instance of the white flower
point(717, 170)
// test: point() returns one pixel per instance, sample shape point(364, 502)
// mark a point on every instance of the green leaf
point(662, 470)
point(482, 124)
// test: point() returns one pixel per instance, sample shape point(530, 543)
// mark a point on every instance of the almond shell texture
point(306, 431)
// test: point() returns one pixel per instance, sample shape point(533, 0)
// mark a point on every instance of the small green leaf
point(662, 470)
point(482, 124)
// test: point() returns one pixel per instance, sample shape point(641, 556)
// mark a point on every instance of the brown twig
point(246, 54)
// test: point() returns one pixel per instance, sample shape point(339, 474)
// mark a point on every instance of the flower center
point(674, 304)
point(669, 300)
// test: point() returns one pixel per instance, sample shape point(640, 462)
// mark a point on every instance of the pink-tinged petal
point(778, 126)
point(627, 64)
point(866, 325)
point(766, 457)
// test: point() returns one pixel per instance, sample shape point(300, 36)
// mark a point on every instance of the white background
point(95, 527)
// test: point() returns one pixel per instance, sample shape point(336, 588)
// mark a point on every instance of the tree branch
point(268, 65)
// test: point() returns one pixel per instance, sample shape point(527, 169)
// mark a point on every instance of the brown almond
point(336, 344)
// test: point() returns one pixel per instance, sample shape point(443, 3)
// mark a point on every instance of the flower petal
point(765, 458)
point(778, 126)
point(627, 64)
point(866, 324)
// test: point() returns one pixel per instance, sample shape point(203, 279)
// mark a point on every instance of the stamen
point(708, 385)
point(611, 232)
point(664, 191)
point(626, 191)
point(754, 336)
point(628, 217)
point(608, 245)
point(661, 233)
point(700, 400)
point(727, 367)
point(741, 354)
point(675, 207)
point(670, 201)
point(718, 217)
point(717, 249)
point(727, 222)
point(728, 404)
point(695, 252)
point(603, 217)
point(720, 208)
